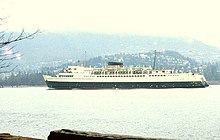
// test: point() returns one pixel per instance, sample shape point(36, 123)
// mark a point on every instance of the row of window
point(121, 76)
point(126, 72)
point(131, 75)
point(65, 75)
point(156, 75)
point(162, 75)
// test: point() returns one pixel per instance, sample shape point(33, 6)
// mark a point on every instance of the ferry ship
point(117, 76)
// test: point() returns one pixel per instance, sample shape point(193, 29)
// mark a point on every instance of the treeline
point(211, 73)
point(164, 60)
point(23, 79)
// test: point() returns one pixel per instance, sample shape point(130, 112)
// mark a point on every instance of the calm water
point(161, 113)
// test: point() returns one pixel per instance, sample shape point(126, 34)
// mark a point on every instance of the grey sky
point(189, 18)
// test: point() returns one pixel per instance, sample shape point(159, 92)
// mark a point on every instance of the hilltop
point(47, 47)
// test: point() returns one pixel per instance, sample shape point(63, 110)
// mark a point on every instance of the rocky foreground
point(7, 136)
point(65, 134)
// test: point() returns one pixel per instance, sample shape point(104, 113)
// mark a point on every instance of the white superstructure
point(118, 75)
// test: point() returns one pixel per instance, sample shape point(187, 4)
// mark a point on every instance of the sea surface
point(158, 113)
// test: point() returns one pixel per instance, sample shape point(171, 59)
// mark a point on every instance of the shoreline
point(66, 134)
point(214, 82)
point(26, 86)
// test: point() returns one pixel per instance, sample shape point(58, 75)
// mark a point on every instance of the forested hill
point(164, 60)
point(46, 47)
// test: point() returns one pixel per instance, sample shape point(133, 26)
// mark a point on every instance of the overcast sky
point(199, 19)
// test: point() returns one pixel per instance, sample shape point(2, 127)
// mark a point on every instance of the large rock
point(7, 136)
point(65, 134)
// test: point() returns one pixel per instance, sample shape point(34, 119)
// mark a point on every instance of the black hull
point(124, 85)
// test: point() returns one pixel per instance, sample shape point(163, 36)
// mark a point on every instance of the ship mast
point(155, 55)
point(85, 60)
